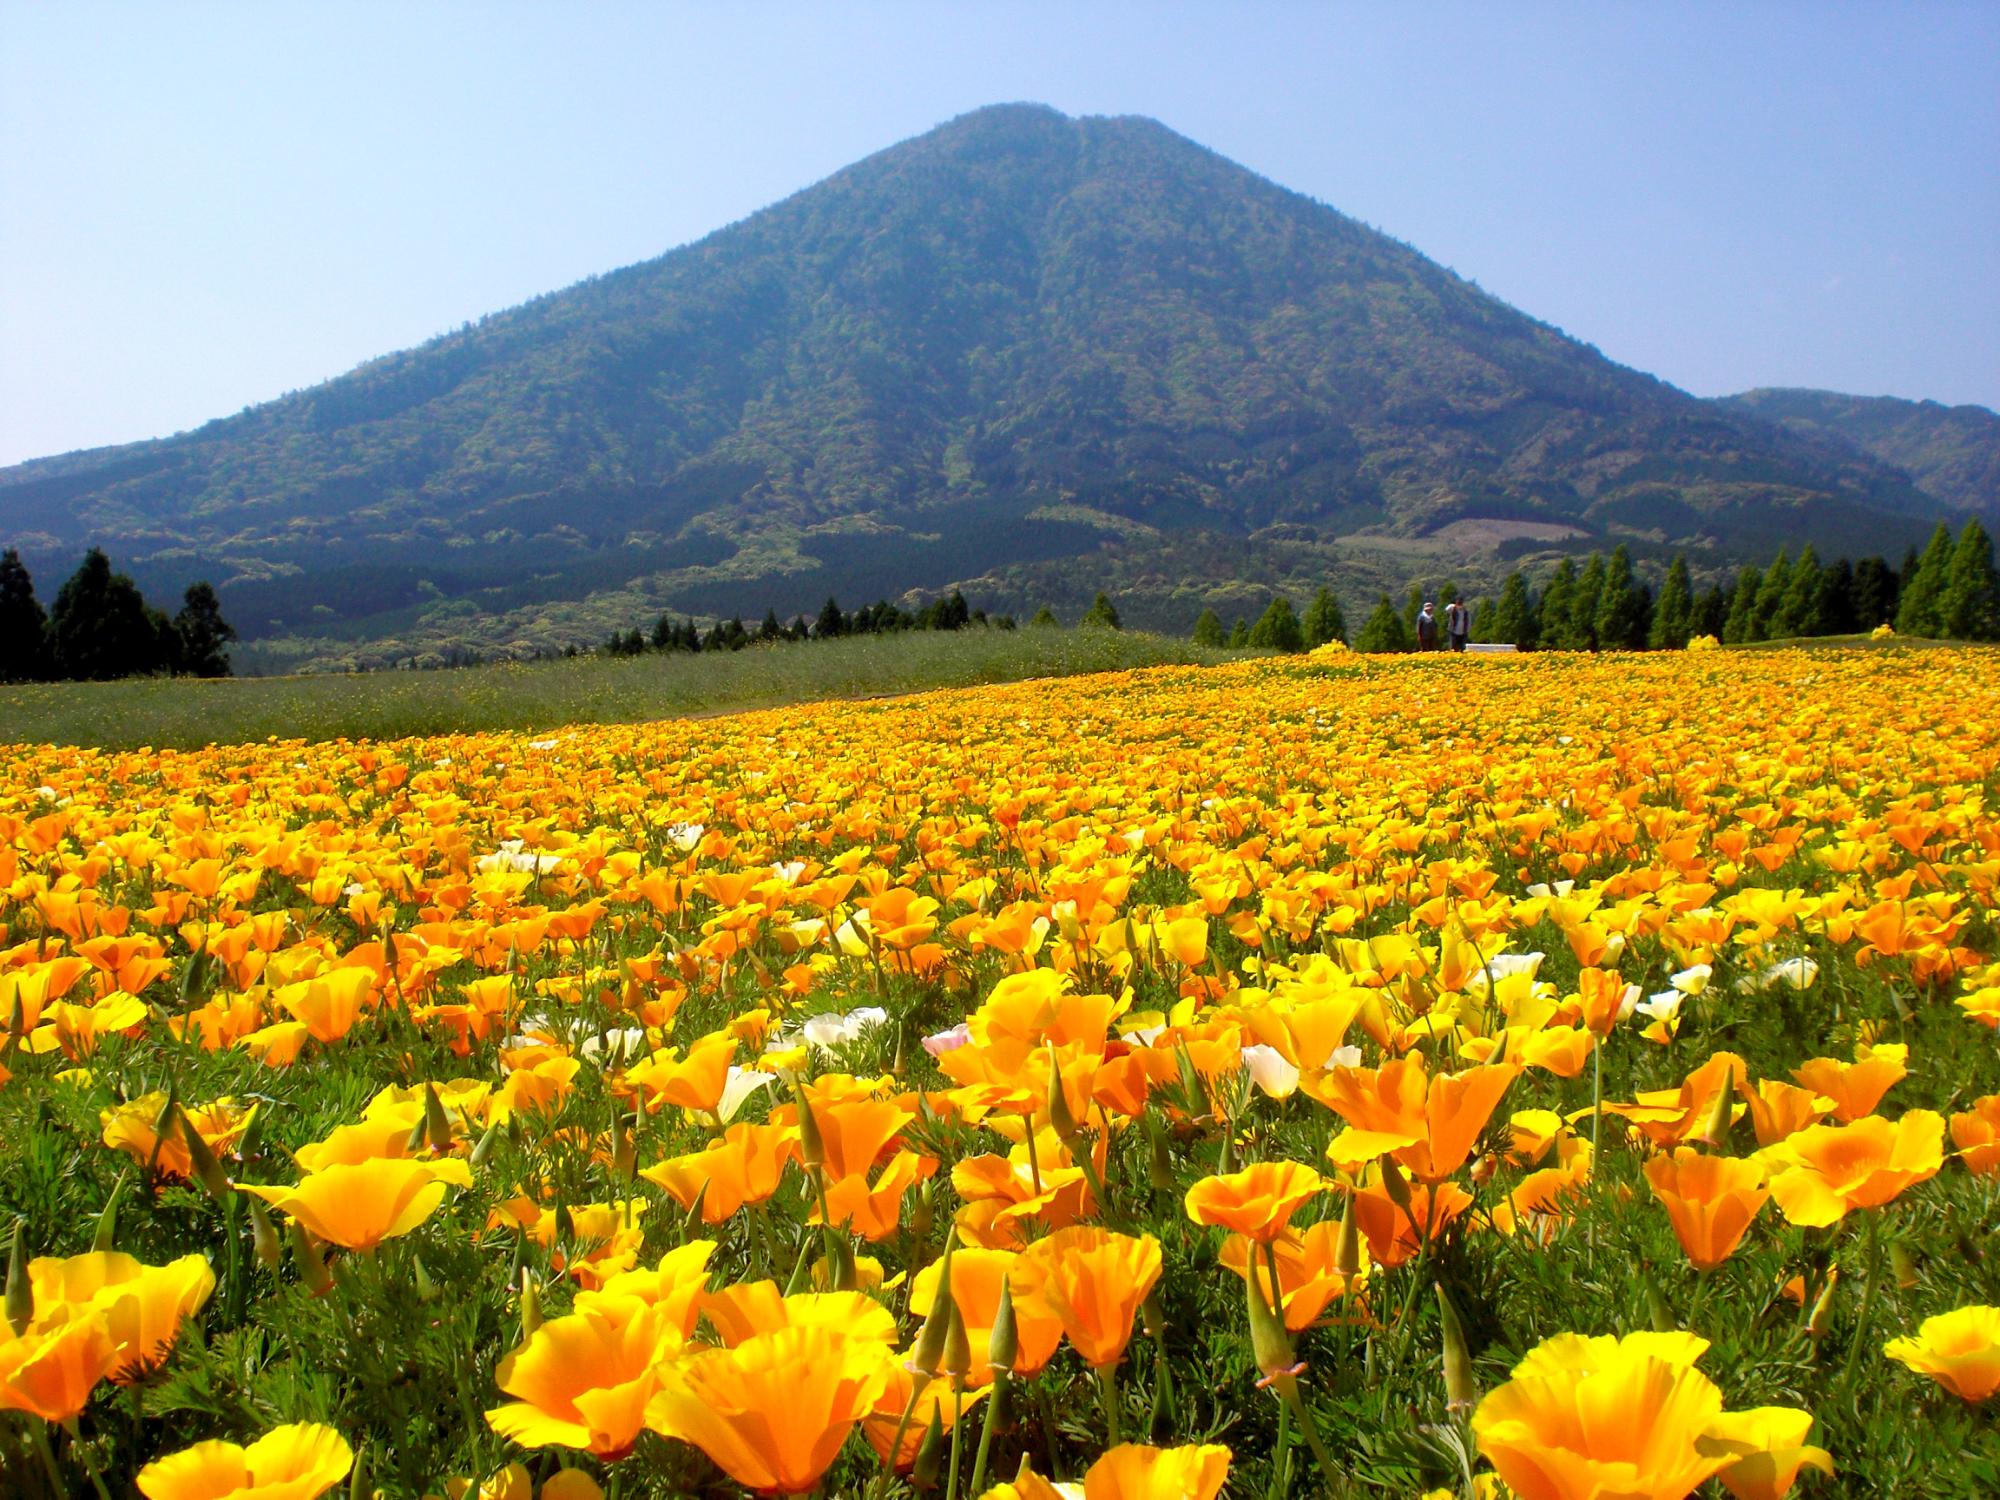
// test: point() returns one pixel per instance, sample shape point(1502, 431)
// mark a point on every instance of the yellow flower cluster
point(959, 956)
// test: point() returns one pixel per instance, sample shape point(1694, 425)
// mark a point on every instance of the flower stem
point(957, 1437)
point(38, 1432)
point(994, 1399)
point(1861, 1318)
point(1107, 1395)
point(1281, 1450)
point(1288, 1391)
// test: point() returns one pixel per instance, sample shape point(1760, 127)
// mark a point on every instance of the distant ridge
point(1950, 452)
point(1031, 354)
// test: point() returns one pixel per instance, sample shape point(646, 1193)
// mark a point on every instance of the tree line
point(1948, 591)
point(101, 628)
point(949, 612)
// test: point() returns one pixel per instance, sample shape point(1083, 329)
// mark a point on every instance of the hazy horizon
point(205, 208)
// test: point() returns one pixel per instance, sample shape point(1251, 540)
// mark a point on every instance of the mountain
point(1951, 453)
point(1022, 352)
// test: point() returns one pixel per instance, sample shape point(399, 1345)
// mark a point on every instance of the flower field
point(1550, 1076)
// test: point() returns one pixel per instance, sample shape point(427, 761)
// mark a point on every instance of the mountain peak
point(1025, 352)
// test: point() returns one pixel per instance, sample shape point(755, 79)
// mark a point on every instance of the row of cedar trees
point(101, 627)
point(880, 618)
point(1949, 591)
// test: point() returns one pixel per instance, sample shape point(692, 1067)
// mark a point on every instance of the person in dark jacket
point(1457, 624)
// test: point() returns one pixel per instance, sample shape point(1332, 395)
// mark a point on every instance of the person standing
point(1458, 624)
point(1427, 629)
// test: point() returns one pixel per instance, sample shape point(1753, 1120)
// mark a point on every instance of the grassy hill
point(180, 713)
point(1021, 351)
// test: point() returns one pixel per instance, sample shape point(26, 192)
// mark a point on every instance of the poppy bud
point(1721, 1115)
point(624, 1154)
point(1822, 1310)
point(922, 1213)
point(419, 1133)
point(1395, 1184)
point(207, 1170)
point(928, 1356)
point(531, 1306)
point(930, 1452)
point(20, 1291)
point(812, 1148)
point(1060, 1118)
point(1904, 1263)
point(957, 1343)
point(251, 1140)
point(1347, 1249)
point(1460, 1391)
point(565, 1225)
point(1160, 1160)
point(436, 1122)
point(1270, 1344)
point(264, 1236)
point(426, 1288)
point(1658, 1313)
point(107, 1221)
point(841, 1273)
point(163, 1122)
point(312, 1264)
point(1154, 1314)
point(483, 1147)
point(1003, 1344)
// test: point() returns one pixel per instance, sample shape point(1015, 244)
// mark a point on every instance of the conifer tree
point(1208, 629)
point(1798, 610)
point(1239, 634)
point(1836, 599)
point(1514, 617)
point(1770, 600)
point(1711, 612)
point(1486, 619)
point(1620, 621)
point(1920, 611)
point(203, 636)
point(1324, 620)
point(1102, 614)
point(24, 625)
point(1413, 605)
point(1580, 628)
point(831, 621)
point(1278, 628)
point(1558, 599)
point(1385, 630)
point(1673, 614)
point(100, 629)
point(1875, 593)
point(1044, 619)
point(1969, 605)
point(1741, 625)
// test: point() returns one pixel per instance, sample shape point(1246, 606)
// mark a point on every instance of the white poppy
point(739, 1086)
point(828, 1031)
point(1269, 1070)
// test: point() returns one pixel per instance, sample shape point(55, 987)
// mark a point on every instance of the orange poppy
point(1710, 1199)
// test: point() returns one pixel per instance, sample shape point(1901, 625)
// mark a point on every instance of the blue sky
point(205, 205)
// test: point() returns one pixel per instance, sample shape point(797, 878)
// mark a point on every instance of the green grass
point(1865, 642)
point(182, 713)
